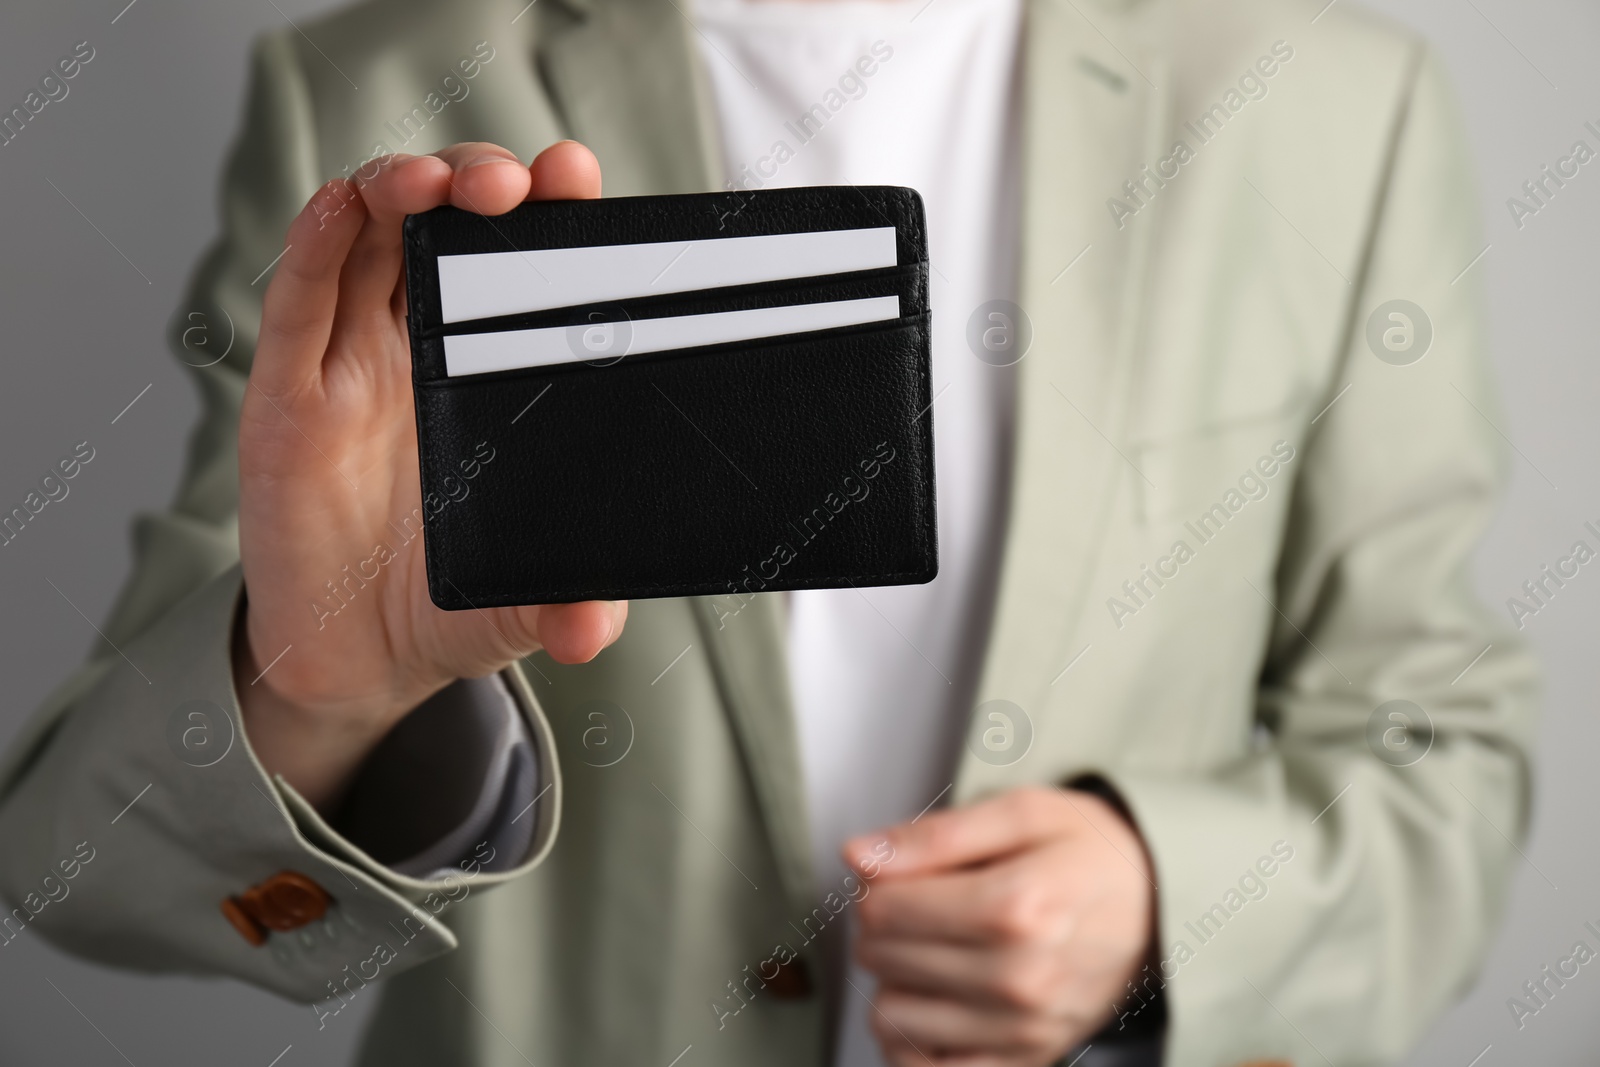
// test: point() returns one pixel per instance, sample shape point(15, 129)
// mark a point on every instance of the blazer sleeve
point(1400, 822)
point(131, 806)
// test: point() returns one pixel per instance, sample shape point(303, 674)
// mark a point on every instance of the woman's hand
point(328, 473)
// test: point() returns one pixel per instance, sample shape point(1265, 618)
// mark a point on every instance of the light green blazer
point(1192, 331)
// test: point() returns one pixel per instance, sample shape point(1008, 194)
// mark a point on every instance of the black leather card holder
point(692, 414)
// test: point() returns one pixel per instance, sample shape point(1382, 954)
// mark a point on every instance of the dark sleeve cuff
point(456, 778)
point(1141, 1011)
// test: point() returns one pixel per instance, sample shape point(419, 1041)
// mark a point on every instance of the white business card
point(480, 353)
point(484, 285)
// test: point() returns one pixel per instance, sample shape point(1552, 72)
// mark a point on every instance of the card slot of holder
point(484, 353)
point(806, 467)
point(908, 281)
point(489, 284)
point(690, 217)
point(753, 347)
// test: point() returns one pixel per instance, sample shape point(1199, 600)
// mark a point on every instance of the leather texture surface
point(795, 462)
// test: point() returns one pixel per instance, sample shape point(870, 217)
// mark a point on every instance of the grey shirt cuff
point(455, 780)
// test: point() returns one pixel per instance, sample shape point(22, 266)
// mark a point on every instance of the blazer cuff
point(146, 765)
point(444, 798)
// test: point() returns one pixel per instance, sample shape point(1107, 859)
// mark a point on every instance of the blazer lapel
point(1090, 121)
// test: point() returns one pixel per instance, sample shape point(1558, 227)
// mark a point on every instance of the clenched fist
point(1002, 932)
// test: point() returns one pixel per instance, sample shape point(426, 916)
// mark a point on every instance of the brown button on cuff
point(792, 982)
point(286, 901)
point(248, 928)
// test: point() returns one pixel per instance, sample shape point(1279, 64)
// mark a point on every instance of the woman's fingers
point(476, 176)
point(485, 178)
point(576, 633)
point(397, 186)
point(343, 254)
point(565, 171)
point(953, 1026)
point(298, 310)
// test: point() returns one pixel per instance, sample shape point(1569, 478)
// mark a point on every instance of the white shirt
point(883, 679)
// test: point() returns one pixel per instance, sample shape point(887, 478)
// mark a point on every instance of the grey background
point(133, 153)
